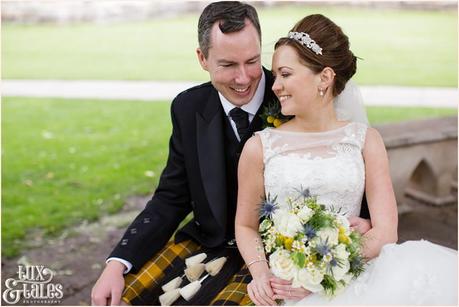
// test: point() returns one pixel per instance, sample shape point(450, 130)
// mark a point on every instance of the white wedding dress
point(330, 164)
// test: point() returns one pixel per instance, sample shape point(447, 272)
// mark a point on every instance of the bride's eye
point(285, 74)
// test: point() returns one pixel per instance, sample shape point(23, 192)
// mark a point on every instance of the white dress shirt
point(251, 107)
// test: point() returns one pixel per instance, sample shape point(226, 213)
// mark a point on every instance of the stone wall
point(423, 161)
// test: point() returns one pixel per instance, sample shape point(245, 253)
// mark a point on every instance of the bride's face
point(295, 85)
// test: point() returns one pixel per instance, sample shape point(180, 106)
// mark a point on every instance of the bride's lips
point(284, 98)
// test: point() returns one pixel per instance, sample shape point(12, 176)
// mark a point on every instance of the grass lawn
point(64, 161)
point(400, 47)
point(68, 160)
point(386, 115)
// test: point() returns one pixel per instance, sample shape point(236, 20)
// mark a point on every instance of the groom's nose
point(242, 76)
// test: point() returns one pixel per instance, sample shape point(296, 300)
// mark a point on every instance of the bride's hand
point(359, 224)
point(283, 290)
point(260, 292)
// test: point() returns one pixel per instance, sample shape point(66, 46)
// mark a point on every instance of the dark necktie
point(241, 118)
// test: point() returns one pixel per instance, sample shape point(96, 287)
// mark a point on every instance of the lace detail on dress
point(329, 164)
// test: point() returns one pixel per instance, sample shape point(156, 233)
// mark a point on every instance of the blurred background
point(86, 90)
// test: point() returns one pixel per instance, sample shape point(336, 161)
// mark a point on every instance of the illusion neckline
point(311, 132)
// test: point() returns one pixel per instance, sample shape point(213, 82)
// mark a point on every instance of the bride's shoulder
point(253, 148)
point(373, 141)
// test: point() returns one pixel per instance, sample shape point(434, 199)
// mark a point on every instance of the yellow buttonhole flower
point(277, 122)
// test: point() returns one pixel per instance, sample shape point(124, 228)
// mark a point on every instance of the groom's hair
point(230, 16)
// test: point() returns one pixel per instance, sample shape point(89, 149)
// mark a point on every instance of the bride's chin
point(286, 112)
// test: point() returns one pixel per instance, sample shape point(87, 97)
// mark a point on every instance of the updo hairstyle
point(335, 49)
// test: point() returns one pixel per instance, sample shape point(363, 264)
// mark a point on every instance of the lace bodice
point(329, 164)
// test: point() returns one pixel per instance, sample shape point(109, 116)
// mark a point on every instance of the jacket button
point(197, 223)
point(231, 242)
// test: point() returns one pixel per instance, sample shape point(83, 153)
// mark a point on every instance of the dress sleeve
point(360, 132)
point(265, 142)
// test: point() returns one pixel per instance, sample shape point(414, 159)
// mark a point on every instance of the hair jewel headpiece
point(305, 40)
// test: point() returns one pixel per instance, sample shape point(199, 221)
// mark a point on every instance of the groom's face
point(234, 63)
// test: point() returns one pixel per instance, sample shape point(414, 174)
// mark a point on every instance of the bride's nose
point(277, 86)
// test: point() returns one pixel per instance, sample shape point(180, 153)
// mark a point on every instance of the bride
point(337, 161)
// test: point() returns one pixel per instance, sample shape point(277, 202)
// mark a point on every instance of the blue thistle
point(322, 248)
point(268, 206)
point(333, 262)
point(309, 231)
point(305, 193)
point(356, 263)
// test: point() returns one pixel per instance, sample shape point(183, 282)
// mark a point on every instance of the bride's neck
point(316, 120)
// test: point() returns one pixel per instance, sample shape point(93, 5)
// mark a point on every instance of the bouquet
point(309, 245)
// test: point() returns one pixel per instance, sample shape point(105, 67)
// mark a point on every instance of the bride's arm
point(250, 194)
point(380, 196)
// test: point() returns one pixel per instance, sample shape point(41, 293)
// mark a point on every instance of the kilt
point(228, 287)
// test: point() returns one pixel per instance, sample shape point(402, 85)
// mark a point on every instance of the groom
point(210, 124)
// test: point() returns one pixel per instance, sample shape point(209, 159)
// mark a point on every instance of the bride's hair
point(335, 49)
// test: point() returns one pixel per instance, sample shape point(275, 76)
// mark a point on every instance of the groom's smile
point(242, 92)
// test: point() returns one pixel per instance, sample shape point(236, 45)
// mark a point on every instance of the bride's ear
point(327, 76)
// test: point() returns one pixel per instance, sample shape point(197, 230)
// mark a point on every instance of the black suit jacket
point(193, 179)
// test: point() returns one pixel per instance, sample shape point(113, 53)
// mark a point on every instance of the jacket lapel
point(211, 155)
point(211, 148)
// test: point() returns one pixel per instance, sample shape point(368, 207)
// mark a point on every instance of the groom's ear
point(327, 75)
point(202, 59)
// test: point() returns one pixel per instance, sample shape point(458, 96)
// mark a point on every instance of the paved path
point(164, 90)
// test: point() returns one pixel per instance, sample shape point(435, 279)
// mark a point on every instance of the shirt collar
point(253, 105)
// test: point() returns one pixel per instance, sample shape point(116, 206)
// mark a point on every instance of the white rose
point(310, 279)
point(340, 270)
point(288, 224)
point(329, 235)
point(340, 251)
point(305, 214)
point(281, 264)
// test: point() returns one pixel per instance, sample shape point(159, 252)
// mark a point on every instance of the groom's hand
point(359, 224)
point(109, 286)
point(283, 290)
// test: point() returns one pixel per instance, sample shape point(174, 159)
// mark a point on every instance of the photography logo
point(33, 286)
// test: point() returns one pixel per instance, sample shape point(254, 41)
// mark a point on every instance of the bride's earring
point(321, 92)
